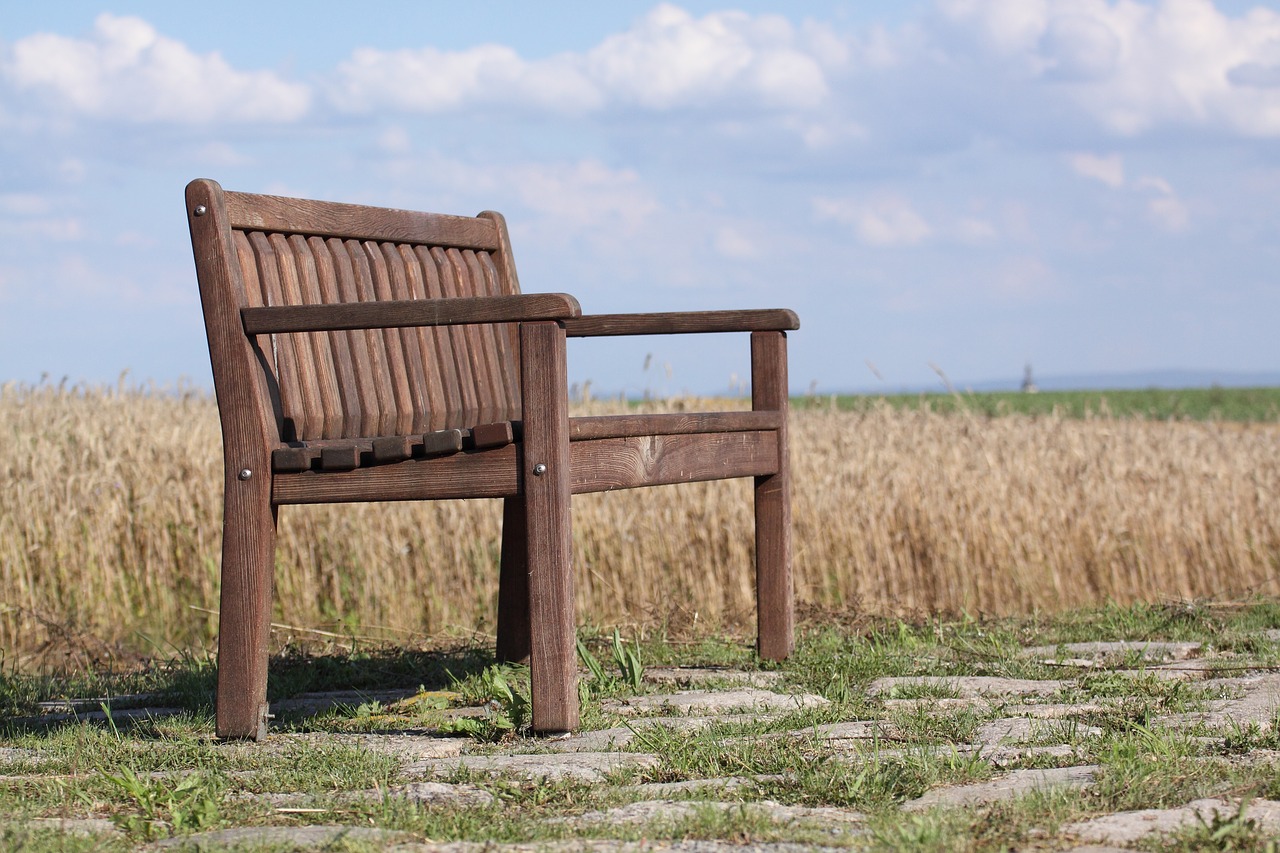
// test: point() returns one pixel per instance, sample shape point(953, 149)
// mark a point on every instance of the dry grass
point(110, 526)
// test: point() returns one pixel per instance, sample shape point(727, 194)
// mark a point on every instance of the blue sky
point(1083, 185)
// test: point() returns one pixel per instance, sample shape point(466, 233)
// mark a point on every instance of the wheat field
point(110, 526)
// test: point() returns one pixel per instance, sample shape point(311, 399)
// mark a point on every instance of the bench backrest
point(381, 382)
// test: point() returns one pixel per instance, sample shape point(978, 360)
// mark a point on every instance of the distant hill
point(1135, 380)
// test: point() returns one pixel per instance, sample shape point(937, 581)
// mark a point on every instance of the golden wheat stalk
point(110, 525)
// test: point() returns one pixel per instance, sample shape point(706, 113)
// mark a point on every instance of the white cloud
point(23, 204)
point(733, 244)
point(672, 59)
point(126, 71)
point(972, 230)
point(1109, 169)
point(586, 194)
point(669, 59)
point(430, 80)
point(26, 216)
point(1022, 278)
point(887, 220)
point(1169, 211)
point(395, 140)
point(1136, 66)
point(566, 197)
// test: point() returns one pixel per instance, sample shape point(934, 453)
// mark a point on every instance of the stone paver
point(1012, 784)
point(687, 677)
point(677, 810)
point(965, 686)
point(1090, 654)
point(318, 703)
point(294, 837)
point(688, 702)
point(1129, 827)
point(1021, 730)
point(99, 826)
point(1258, 705)
point(582, 766)
point(437, 793)
point(18, 755)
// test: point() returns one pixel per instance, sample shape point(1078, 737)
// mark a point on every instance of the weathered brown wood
point(355, 222)
point(604, 464)
point(618, 426)
point(367, 369)
point(303, 270)
point(441, 442)
point(340, 457)
point(386, 382)
point(291, 459)
point(546, 473)
point(602, 325)
point(514, 630)
point(249, 427)
point(449, 389)
point(465, 410)
point(483, 474)
point(415, 363)
point(774, 590)
point(292, 379)
point(488, 355)
point(392, 448)
point(363, 355)
point(491, 435)
point(391, 344)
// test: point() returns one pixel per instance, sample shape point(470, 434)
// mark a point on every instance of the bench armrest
point(685, 322)
point(455, 311)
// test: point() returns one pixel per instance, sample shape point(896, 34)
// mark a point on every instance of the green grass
point(170, 777)
point(1221, 404)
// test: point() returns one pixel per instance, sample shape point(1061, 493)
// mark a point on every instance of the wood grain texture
point(252, 212)
point(349, 349)
point(368, 389)
point(545, 469)
point(390, 343)
point(604, 325)
point(605, 464)
point(618, 426)
point(775, 595)
point(249, 427)
point(352, 333)
point(514, 637)
point(481, 474)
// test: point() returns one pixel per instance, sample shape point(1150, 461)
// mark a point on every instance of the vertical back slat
point(415, 362)
point(434, 395)
point(302, 268)
point(375, 340)
point(345, 363)
point(459, 338)
point(476, 345)
point(309, 421)
point(390, 343)
point(379, 382)
point(487, 348)
point(284, 348)
point(506, 338)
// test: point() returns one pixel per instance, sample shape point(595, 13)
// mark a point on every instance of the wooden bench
point(366, 354)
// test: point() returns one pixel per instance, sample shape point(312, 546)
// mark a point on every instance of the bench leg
point(513, 584)
point(775, 607)
point(244, 623)
point(548, 541)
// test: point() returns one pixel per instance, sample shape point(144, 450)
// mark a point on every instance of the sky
point(956, 187)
